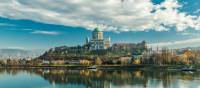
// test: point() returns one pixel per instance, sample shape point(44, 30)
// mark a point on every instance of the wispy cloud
point(15, 47)
point(111, 15)
point(20, 29)
point(177, 44)
point(6, 24)
point(190, 34)
point(46, 32)
point(197, 11)
point(37, 31)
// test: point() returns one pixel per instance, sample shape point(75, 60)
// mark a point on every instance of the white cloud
point(177, 44)
point(111, 15)
point(45, 32)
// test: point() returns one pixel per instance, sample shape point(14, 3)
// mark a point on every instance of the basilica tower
point(97, 34)
point(97, 41)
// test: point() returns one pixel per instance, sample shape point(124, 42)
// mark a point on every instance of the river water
point(65, 78)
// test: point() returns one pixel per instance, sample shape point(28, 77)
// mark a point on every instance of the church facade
point(97, 41)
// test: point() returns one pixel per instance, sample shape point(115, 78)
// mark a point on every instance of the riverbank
point(77, 66)
point(144, 67)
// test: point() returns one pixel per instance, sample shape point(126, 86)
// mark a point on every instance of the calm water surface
point(65, 78)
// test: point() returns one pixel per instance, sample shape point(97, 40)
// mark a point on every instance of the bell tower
point(107, 43)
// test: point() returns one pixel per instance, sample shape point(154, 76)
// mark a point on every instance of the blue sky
point(36, 24)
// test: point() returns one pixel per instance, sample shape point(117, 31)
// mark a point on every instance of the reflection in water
point(111, 78)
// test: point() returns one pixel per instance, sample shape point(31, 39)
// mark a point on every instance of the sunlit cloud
point(110, 15)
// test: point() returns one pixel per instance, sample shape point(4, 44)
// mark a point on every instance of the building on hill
point(97, 42)
point(129, 46)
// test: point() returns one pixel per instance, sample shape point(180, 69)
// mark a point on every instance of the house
point(73, 62)
point(57, 62)
point(125, 60)
point(45, 62)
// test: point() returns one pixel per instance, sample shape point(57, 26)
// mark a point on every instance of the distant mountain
point(19, 53)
